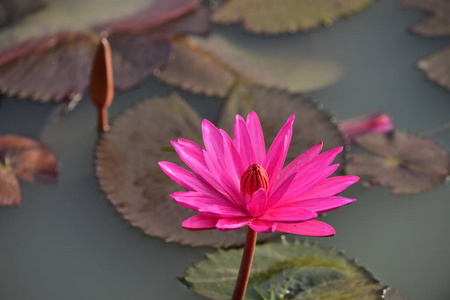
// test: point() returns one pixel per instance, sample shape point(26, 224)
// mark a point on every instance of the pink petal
point(190, 144)
point(280, 190)
point(318, 205)
point(243, 142)
point(233, 162)
point(196, 200)
point(188, 180)
point(223, 182)
point(321, 161)
point(277, 152)
point(196, 161)
point(212, 140)
point(309, 228)
point(257, 136)
point(263, 226)
point(305, 182)
point(288, 214)
point(232, 223)
point(329, 187)
point(257, 203)
point(199, 222)
point(300, 161)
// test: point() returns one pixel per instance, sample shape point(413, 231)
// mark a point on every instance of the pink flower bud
point(253, 179)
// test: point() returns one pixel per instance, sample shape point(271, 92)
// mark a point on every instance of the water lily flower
point(236, 183)
point(375, 122)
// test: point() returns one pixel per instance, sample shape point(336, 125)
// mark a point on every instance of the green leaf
point(288, 16)
point(212, 65)
point(285, 270)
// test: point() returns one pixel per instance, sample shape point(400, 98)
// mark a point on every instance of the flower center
point(253, 179)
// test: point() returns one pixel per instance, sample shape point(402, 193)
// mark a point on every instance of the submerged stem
point(246, 265)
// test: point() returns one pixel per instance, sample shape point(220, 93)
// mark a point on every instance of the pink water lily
point(236, 183)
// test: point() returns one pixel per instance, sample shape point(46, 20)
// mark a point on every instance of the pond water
point(66, 242)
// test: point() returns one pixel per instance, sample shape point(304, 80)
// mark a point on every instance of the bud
point(253, 179)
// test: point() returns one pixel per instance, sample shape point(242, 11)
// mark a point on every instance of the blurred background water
point(66, 242)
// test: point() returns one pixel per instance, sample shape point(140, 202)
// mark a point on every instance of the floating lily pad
point(392, 294)
point(406, 163)
point(438, 24)
point(13, 10)
point(286, 270)
point(312, 124)
point(128, 171)
point(437, 67)
point(57, 44)
point(211, 66)
point(288, 16)
point(27, 159)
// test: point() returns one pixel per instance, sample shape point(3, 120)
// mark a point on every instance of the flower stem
point(246, 265)
point(103, 124)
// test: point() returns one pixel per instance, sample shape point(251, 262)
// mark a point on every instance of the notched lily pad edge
point(320, 24)
point(384, 289)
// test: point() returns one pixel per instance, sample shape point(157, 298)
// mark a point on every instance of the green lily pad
point(288, 16)
point(285, 270)
point(213, 65)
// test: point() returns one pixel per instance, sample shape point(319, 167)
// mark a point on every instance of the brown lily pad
point(57, 44)
point(27, 159)
point(197, 71)
point(406, 163)
point(212, 65)
point(312, 124)
point(9, 188)
point(437, 67)
point(13, 10)
point(438, 24)
point(128, 171)
point(289, 16)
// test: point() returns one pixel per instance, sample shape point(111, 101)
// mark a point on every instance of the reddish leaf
point(29, 159)
point(52, 68)
point(438, 24)
point(9, 188)
point(32, 59)
point(289, 16)
point(407, 163)
point(128, 172)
